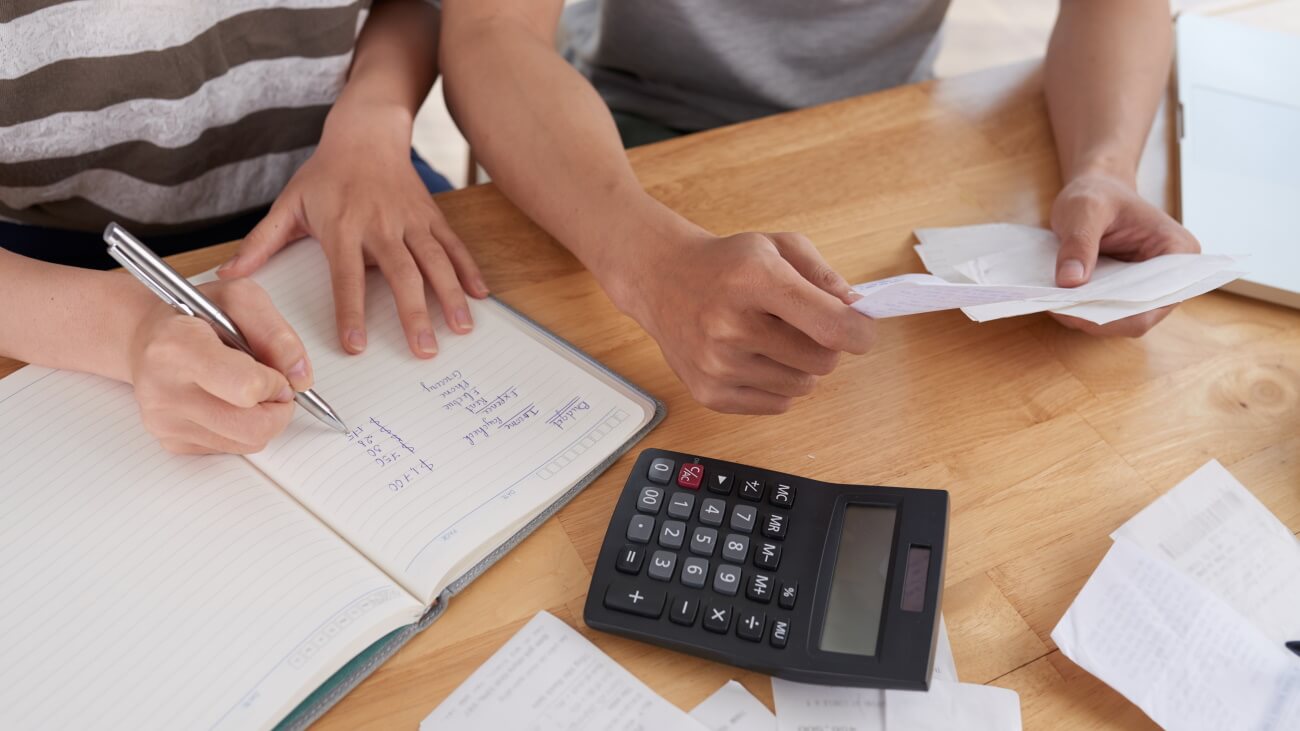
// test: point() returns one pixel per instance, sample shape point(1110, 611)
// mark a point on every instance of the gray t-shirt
point(696, 64)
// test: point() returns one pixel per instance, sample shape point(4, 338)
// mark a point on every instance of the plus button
point(635, 596)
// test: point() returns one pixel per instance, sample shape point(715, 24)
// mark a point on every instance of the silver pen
point(176, 291)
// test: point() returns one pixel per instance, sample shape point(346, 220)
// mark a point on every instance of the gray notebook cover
point(356, 670)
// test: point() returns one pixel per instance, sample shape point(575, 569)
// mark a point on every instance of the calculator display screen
point(857, 597)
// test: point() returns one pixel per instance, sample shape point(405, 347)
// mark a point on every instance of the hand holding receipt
point(173, 289)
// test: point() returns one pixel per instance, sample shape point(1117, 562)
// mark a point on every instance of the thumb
point(270, 235)
point(1079, 227)
point(807, 260)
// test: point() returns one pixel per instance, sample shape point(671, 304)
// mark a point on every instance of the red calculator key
point(691, 475)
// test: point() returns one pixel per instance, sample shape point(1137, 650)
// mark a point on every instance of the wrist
point(376, 124)
point(1101, 164)
point(652, 245)
point(131, 305)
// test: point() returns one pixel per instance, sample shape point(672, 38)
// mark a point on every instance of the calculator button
point(780, 632)
point(717, 618)
point(751, 488)
point(629, 559)
point(767, 555)
point(695, 571)
point(749, 625)
point(735, 548)
point(650, 500)
point(727, 580)
point(775, 525)
point(682, 610)
point(712, 510)
point(640, 529)
point(782, 495)
point(789, 591)
point(661, 565)
point(672, 534)
point(720, 482)
point(743, 518)
point(627, 597)
point(681, 505)
point(760, 588)
point(703, 540)
point(691, 475)
point(661, 470)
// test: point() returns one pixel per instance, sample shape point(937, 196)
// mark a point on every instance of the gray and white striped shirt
point(165, 115)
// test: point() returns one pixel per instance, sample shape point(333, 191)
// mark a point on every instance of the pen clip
point(124, 258)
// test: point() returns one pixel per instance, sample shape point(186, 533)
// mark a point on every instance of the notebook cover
point(360, 667)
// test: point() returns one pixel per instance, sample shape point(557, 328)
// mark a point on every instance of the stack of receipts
point(548, 676)
point(1189, 612)
point(1001, 270)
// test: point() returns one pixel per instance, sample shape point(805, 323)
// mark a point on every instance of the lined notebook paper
point(149, 590)
point(496, 409)
point(144, 589)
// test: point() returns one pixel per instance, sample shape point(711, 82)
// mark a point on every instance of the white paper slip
point(1216, 532)
point(804, 707)
point(942, 249)
point(732, 708)
point(945, 667)
point(1109, 311)
point(1178, 652)
point(947, 706)
point(550, 677)
point(913, 294)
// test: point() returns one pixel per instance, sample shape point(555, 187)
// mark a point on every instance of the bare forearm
point(394, 66)
point(1107, 66)
point(549, 143)
point(70, 318)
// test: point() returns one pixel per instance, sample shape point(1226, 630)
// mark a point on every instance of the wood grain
point(1047, 439)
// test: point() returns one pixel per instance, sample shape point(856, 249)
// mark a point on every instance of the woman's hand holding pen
point(361, 197)
point(198, 395)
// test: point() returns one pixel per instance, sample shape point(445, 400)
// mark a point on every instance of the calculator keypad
point(704, 547)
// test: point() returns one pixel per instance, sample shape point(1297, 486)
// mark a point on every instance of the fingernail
point(481, 286)
point(853, 297)
point(285, 395)
point(298, 371)
point(230, 263)
point(1071, 270)
point(426, 342)
point(463, 320)
point(356, 340)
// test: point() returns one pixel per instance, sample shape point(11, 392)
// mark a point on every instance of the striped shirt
point(164, 115)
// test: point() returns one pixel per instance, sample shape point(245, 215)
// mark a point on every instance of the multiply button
point(780, 632)
point(640, 600)
point(717, 618)
point(782, 495)
point(650, 500)
point(661, 470)
point(750, 625)
point(691, 475)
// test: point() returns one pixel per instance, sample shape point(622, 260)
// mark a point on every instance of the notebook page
point(147, 590)
point(446, 456)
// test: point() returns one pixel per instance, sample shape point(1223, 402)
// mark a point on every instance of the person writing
point(183, 121)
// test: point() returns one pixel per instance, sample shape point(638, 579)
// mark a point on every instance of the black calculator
point(804, 580)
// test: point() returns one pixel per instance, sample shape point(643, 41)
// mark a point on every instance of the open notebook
point(146, 590)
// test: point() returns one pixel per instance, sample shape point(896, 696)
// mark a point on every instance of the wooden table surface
point(1046, 439)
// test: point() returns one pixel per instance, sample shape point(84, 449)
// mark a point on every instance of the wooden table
point(1046, 439)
